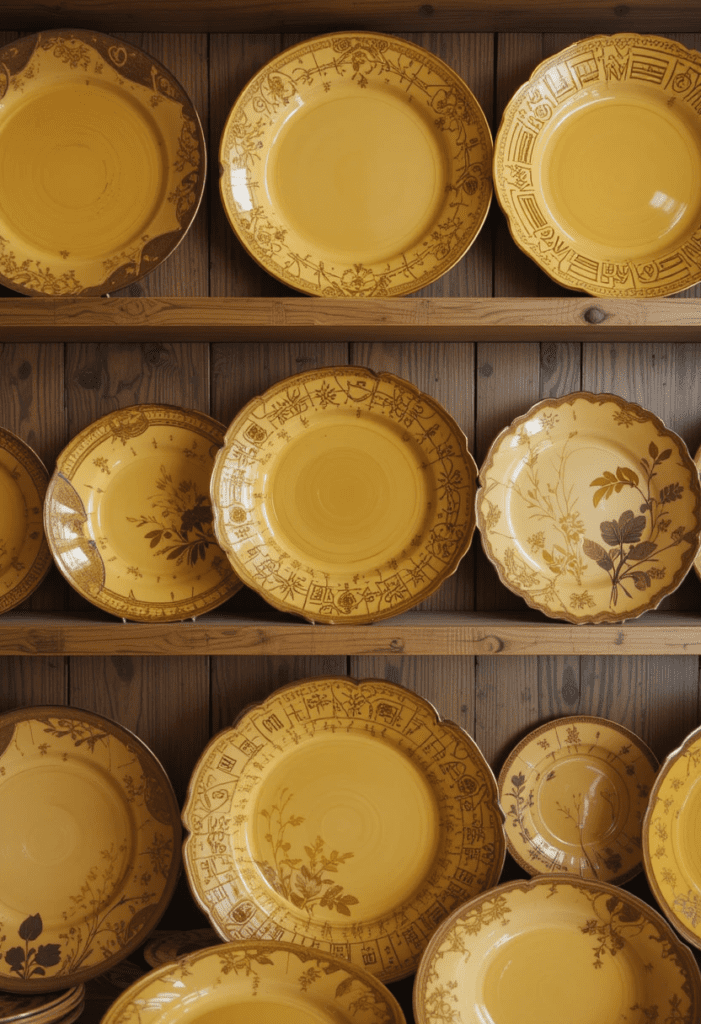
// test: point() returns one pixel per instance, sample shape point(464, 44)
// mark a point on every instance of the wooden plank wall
point(48, 393)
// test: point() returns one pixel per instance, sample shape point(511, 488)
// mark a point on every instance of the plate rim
point(73, 996)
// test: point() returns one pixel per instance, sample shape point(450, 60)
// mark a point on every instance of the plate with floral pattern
point(91, 846)
point(574, 792)
point(590, 508)
point(103, 163)
point(356, 164)
point(553, 949)
point(25, 558)
point(299, 817)
point(343, 495)
point(128, 516)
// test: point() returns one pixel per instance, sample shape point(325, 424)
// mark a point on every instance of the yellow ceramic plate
point(25, 558)
point(168, 946)
point(102, 163)
point(342, 815)
point(128, 517)
point(344, 495)
point(89, 854)
point(356, 164)
point(590, 508)
point(597, 166)
point(253, 982)
point(41, 1009)
point(557, 949)
point(671, 844)
point(574, 793)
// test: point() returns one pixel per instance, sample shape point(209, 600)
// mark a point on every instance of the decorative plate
point(103, 163)
point(575, 792)
point(128, 517)
point(597, 166)
point(697, 562)
point(41, 1009)
point(90, 856)
point(259, 983)
point(168, 946)
point(356, 164)
point(25, 558)
point(300, 817)
point(344, 495)
point(531, 951)
point(590, 508)
point(671, 848)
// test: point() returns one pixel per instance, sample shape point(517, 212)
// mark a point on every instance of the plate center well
point(14, 519)
point(261, 1011)
point(582, 801)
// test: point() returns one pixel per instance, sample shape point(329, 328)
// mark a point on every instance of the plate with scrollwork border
point(25, 558)
point(298, 818)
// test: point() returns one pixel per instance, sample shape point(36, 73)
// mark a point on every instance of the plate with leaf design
point(90, 851)
point(671, 847)
point(103, 163)
point(590, 508)
point(553, 949)
point(299, 817)
point(257, 981)
point(128, 516)
point(343, 495)
point(356, 164)
point(575, 792)
point(25, 558)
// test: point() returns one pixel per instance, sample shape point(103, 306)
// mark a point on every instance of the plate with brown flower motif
point(345, 816)
point(574, 792)
point(90, 849)
point(597, 166)
point(103, 164)
point(25, 558)
point(590, 508)
point(128, 516)
point(356, 164)
point(556, 949)
point(343, 495)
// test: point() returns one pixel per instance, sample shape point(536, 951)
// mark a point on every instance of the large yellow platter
point(128, 516)
point(590, 508)
point(356, 164)
point(575, 792)
point(25, 558)
point(597, 166)
point(89, 846)
point(345, 816)
point(102, 163)
point(254, 982)
point(557, 950)
point(343, 495)
point(671, 839)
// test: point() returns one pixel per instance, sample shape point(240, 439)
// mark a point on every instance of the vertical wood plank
point(27, 682)
point(506, 704)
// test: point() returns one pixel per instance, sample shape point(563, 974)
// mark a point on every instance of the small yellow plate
point(343, 495)
point(103, 163)
point(167, 946)
point(356, 164)
point(671, 846)
point(128, 516)
point(553, 950)
point(597, 166)
point(25, 558)
point(342, 815)
point(590, 508)
point(90, 850)
point(41, 1009)
point(257, 982)
point(574, 792)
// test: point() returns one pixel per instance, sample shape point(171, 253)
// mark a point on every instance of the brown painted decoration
point(103, 163)
point(25, 558)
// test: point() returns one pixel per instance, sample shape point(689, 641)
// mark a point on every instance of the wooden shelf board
point(415, 633)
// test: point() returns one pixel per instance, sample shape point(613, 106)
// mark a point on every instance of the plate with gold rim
point(25, 558)
point(356, 164)
point(590, 508)
point(574, 792)
point(103, 163)
point(128, 517)
point(671, 849)
point(168, 946)
point(522, 952)
point(298, 818)
point(91, 846)
point(597, 166)
point(255, 981)
point(39, 1009)
point(343, 495)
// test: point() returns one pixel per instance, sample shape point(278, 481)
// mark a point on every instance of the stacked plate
point(56, 1008)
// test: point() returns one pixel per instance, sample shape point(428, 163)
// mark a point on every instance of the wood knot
point(594, 315)
point(426, 10)
point(621, 10)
